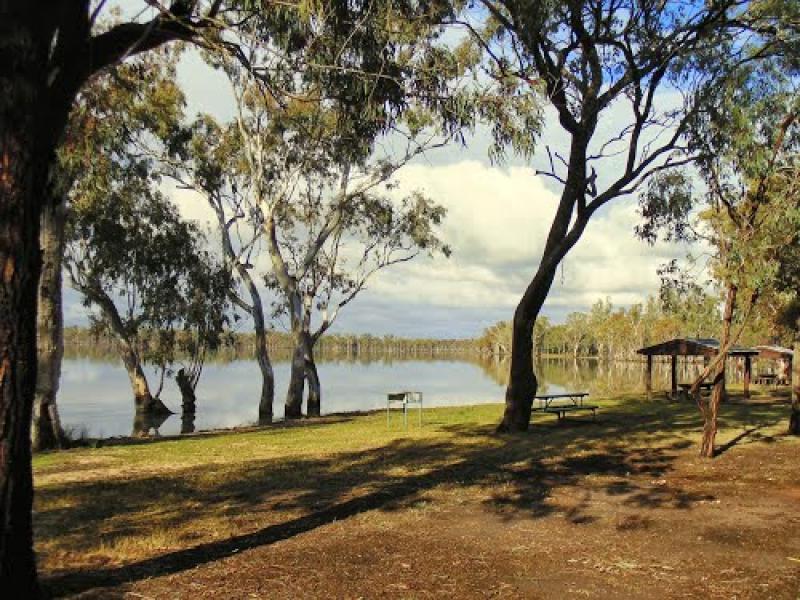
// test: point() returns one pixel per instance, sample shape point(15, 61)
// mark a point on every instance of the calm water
point(95, 394)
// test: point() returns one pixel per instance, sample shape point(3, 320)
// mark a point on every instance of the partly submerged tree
point(100, 164)
point(588, 58)
point(146, 273)
point(112, 113)
point(297, 174)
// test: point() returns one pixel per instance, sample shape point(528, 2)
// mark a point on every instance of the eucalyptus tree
point(319, 276)
point(588, 58)
point(577, 330)
point(300, 172)
point(47, 55)
point(745, 135)
point(143, 269)
point(117, 108)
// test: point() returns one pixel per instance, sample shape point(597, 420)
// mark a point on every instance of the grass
point(123, 510)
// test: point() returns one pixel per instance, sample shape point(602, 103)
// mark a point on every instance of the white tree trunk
point(46, 432)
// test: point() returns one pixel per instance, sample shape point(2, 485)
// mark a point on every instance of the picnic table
point(706, 386)
point(563, 403)
point(767, 379)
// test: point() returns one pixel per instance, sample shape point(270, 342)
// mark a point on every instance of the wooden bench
point(705, 386)
point(766, 379)
point(561, 404)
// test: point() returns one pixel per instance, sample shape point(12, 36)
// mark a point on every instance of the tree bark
point(46, 432)
point(294, 394)
point(314, 403)
point(794, 419)
point(27, 149)
point(20, 265)
point(188, 398)
point(256, 310)
point(144, 401)
point(710, 408)
point(265, 412)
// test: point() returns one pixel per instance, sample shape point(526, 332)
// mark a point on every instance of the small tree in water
point(134, 260)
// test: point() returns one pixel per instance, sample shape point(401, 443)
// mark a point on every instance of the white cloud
point(497, 223)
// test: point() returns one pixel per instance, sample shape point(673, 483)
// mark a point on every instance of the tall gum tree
point(585, 57)
point(298, 170)
point(745, 136)
point(46, 56)
point(143, 269)
point(110, 114)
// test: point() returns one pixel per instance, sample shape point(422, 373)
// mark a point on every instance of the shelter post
point(747, 373)
point(649, 377)
point(674, 371)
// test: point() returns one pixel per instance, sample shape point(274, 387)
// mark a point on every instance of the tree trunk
point(144, 401)
point(265, 413)
point(187, 422)
point(710, 408)
point(314, 406)
point(794, 419)
point(27, 150)
point(256, 310)
point(522, 382)
point(188, 398)
point(294, 395)
point(143, 422)
point(47, 432)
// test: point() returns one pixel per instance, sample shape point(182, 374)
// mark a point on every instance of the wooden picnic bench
point(766, 379)
point(561, 404)
point(706, 386)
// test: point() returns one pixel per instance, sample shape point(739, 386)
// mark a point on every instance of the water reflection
point(605, 378)
point(146, 424)
point(187, 421)
point(95, 397)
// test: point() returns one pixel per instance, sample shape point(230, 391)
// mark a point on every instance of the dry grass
point(121, 510)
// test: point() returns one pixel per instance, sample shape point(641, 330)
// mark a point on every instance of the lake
point(95, 396)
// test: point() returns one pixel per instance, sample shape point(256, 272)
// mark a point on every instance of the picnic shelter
point(780, 354)
point(706, 347)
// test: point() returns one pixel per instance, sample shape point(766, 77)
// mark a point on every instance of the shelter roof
point(693, 347)
point(774, 352)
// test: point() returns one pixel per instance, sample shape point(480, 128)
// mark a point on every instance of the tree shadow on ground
point(628, 447)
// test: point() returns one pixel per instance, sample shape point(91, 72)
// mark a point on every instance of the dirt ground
point(636, 518)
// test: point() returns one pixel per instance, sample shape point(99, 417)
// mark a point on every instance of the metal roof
point(774, 351)
point(693, 347)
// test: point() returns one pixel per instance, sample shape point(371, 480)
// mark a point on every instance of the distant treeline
point(605, 332)
point(86, 340)
point(610, 333)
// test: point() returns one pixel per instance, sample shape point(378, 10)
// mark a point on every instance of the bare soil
point(568, 511)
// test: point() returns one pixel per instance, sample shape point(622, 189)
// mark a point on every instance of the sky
point(497, 220)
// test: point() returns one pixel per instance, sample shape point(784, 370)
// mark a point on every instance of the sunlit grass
point(118, 504)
